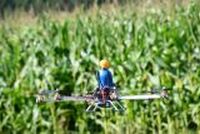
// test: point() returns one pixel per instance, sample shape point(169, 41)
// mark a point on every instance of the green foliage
point(155, 50)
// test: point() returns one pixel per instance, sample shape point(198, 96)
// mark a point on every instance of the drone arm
point(140, 97)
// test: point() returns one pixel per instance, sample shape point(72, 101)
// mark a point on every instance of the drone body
point(97, 100)
point(105, 96)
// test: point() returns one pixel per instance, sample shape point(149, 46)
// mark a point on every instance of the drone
point(106, 98)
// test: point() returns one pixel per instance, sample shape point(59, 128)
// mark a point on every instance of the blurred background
point(37, 6)
point(57, 44)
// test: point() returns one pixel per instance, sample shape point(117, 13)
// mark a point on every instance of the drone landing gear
point(118, 107)
point(108, 104)
point(92, 107)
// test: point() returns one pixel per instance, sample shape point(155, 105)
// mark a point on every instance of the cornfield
point(146, 51)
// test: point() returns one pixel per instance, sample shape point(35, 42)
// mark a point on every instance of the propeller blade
point(64, 98)
point(47, 92)
point(76, 98)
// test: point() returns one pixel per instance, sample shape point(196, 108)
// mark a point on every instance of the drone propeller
point(60, 98)
point(76, 98)
point(47, 92)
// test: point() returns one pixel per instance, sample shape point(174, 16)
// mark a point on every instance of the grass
point(151, 50)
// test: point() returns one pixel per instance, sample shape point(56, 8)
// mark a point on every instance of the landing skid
point(113, 104)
